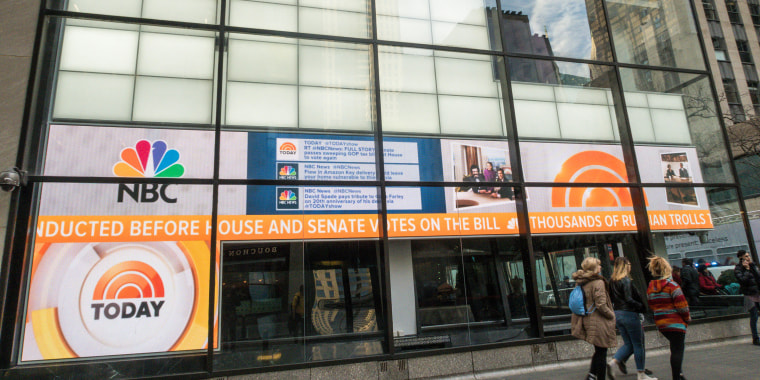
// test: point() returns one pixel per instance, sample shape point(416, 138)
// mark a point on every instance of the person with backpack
point(596, 322)
point(671, 311)
point(748, 276)
point(628, 305)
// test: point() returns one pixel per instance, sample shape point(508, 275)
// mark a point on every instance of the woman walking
point(671, 311)
point(598, 327)
point(628, 303)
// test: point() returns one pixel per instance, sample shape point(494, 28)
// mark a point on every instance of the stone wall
point(18, 26)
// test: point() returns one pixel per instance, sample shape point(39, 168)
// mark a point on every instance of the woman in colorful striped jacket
point(671, 311)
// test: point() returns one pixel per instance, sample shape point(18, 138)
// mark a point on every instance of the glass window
point(334, 17)
point(197, 11)
point(462, 23)
point(312, 157)
point(284, 83)
point(468, 291)
point(436, 92)
point(557, 258)
point(563, 101)
point(301, 274)
point(657, 34)
point(116, 72)
point(710, 248)
point(562, 28)
point(570, 210)
point(129, 152)
point(118, 277)
point(673, 122)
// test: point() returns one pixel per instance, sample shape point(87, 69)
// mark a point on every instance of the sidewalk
point(732, 359)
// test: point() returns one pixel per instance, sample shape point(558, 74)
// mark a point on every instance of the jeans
point(753, 320)
point(677, 340)
point(629, 325)
point(599, 362)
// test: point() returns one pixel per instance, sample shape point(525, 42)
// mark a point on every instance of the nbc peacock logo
point(592, 167)
point(288, 195)
point(149, 159)
point(287, 171)
point(287, 198)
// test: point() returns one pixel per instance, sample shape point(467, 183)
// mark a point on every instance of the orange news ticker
point(59, 229)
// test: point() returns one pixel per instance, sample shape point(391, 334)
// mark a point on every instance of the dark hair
point(741, 253)
point(474, 167)
point(702, 268)
point(687, 261)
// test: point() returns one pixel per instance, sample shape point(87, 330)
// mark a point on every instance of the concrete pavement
point(735, 359)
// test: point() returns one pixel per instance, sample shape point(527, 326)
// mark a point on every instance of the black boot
point(756, 341)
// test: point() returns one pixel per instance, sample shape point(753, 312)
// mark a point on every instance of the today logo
point(592, 166)
point(148, 159)
point(288, 149)
point(107, 298)
point(128, 280)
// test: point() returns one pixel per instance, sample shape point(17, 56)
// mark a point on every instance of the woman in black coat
point(748, 276)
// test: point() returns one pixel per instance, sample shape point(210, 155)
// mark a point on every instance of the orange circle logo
point(592, 167)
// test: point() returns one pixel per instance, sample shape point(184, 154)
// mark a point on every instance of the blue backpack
point(577, 302)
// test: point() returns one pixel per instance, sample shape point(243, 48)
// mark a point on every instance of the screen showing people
point(675, 167)
point(485, 165)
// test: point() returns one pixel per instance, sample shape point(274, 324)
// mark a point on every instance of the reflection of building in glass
point(328, 315)
point(649, 33)
point(519, 38)
point(329, 311)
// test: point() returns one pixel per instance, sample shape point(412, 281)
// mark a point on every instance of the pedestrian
point(748, 276)
point(671, 311)
point(690, 282)
point(707, 283)
point(628, 305)
point(598, 327)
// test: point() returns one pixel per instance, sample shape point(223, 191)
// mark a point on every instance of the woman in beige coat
point(597, 328)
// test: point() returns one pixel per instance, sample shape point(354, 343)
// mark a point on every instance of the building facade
point(204, 196)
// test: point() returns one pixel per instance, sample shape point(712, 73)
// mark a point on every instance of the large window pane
point(297, 285)
point(562, 28)
point(557, 258)
point(468, 291)
point(130, 152)
point(660, 33)
point(116, 275)
point(674, 123)
point(118, 72)
point(197, 11)
point(460, 23)
point(424, 91)
point(708, 242)
point(332, 17)
point(286, 83)
point(563, 101)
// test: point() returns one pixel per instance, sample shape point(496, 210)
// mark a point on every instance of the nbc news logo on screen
point(287, 198)
point(287, 171)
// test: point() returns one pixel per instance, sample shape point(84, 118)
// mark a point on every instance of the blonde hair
point(621, 269)
point(590, 264)
point(659, 267)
